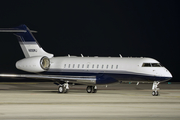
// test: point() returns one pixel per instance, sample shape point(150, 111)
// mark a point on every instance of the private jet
point(90, 71)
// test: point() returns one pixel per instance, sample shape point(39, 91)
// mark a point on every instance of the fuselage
point(110, 69)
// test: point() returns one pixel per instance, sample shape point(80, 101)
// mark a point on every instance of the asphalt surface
point(41, 101)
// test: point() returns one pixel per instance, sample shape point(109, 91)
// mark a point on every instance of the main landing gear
point(63, 88)
point(91, 89)
point(155, 88)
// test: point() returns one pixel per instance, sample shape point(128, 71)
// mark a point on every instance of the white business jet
point(90, 71)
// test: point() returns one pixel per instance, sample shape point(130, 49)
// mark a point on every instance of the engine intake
point(33, 64)
point(45, 63)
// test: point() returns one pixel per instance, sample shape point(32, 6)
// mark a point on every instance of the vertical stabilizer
point(27, 41)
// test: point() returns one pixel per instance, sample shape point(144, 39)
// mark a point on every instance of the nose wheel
point(155, 88)
point(155, 93)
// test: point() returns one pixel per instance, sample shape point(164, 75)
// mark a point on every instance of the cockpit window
point(151, 65)
point(155, 65)
point(146, 65)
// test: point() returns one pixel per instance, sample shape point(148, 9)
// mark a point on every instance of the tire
point(94, 90)
point(61, 89)
point(157, 93)
point(89, 89)
point(153, 93)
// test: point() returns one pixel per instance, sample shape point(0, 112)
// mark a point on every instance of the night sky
point(137, 28)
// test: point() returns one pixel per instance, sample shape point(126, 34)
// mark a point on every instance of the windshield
point(151, 65)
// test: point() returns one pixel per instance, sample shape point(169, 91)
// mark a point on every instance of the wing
point(62, 78)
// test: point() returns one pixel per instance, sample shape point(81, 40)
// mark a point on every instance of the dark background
point(137, 28)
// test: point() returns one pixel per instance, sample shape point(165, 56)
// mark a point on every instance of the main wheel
point(61, 89)
point(94, 90)
point(89, 89)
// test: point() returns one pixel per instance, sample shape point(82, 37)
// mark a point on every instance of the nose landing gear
point(155, 88)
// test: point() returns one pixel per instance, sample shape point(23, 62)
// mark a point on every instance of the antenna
point(82, 55)
point(120, 55)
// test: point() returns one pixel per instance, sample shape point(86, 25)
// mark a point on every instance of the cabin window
point(107, 66)
point(73, 65)
point(83, 66)
point(64, 65)
point(97, 66)
point(78, 65)
point(88, 66)
point(69, 66)
point(111, 66)
point(93, 66)
point(116, 66)
point(102, 66)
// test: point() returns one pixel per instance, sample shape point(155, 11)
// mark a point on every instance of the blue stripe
point(96, 71)
point(106, 78)
point(25, 36)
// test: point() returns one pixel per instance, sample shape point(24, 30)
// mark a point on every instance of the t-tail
point(27, 41)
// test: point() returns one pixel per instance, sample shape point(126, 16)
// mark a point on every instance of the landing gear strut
point(63, 88)
point(155, 88)
point(91, 89)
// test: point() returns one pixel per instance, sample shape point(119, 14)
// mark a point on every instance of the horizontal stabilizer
point(27, 41)
point(14, 30)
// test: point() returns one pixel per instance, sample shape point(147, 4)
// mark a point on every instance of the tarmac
point(41, 101)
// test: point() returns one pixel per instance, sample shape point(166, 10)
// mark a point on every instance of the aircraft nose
point(169, 75)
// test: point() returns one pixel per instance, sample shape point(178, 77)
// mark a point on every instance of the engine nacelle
point(33, 64)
